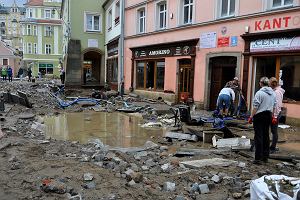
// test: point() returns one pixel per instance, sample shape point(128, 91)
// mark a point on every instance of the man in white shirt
point(225, 98)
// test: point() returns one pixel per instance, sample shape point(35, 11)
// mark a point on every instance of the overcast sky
point(9, 2)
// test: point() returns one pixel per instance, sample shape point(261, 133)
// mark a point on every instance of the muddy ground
point(35, 167)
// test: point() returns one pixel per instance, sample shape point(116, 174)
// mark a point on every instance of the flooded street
point(114, 129)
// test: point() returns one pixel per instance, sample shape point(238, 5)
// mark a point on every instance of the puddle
point(114, 129)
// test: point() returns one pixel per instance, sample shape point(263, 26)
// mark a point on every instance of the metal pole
point(122, 21)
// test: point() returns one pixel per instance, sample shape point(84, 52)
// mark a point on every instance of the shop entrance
point(91, 68)
point(185, 80)
point(222, 70)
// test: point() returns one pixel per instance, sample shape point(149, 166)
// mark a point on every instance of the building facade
point(83, 42)
point(9, 57)
point(10, 27)
point(189, 49)
point(42, 30)
point(113, 43)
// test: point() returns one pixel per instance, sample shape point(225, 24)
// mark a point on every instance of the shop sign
point(270, 24)
point(208, 40)
point(223, 42)
point(233, 41)
point(164, 52)
point(275, 44)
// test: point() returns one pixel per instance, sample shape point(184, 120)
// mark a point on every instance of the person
point(9, 73)
point(4, 73)
point(277, 112)
point(235, 85)
point(29, 75)
point(62, 75)
point(226, 96)
point(263, 105)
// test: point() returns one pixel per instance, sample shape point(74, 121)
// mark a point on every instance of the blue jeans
point(224, 100)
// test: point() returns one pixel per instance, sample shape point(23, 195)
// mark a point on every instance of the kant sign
point(275, 44)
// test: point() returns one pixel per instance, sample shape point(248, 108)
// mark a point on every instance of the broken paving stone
point(163, 148)
point(169, 186)
point(89, 185)
point(88, 177)
point(145, 168)
point(150, 163)
point(242, 165)
point(15, 166)
point(49, 185)
point(216, 179)
point(75, 197)
point(26, 116)
point(203, 188)
point(179, 197)
point(194, 188)
point(150, 145)
point(134, 167)
point(237, 195)
point(298, 165)
point(131, 183)
point(165, 167)
point(247, 193)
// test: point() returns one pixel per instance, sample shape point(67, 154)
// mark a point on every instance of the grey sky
point(9, 2)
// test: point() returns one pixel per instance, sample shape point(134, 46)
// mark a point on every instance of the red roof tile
point(34, 3)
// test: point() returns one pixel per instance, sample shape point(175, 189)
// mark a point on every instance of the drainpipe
point(122, 20)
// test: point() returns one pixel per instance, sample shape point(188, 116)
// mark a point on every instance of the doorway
point(91, 68)
point(185, 80)
point(223, 69)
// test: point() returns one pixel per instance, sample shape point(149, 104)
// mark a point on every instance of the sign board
point(164, 52)
point(233, 41)
point(208, 40)
point(223, 42)
point(275, 44)
point(93, 43)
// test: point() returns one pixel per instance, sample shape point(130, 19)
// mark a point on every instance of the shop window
point(150, 75)
point(162, 15)
point(141, 13)
point(46, 68)
point(286, 69)
point(112, 68)
point(289, 77)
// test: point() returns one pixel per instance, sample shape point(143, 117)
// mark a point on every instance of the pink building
point(8, 57)
point(190, 48)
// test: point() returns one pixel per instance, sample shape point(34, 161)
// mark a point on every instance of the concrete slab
point(208, 135)
point(233, 142)
point(197, 164)
point(181, 136)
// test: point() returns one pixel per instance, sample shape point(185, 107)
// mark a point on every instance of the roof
point(34, 3)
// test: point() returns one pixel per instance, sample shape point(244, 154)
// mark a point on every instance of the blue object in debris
point(218, 123)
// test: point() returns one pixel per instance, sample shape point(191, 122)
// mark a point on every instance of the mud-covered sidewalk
point(34, 166)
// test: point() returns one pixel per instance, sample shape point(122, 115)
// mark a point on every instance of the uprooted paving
point(36, 167)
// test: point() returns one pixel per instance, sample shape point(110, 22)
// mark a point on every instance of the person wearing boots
point(263, 105)
point(277, 112)
point(9, 73)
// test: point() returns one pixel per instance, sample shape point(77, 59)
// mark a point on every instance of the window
point(188, 11)
point(141, 20)
point(35, 48)
point(28, 29)
point(35, 30)
point(92, 22)
point(48, 31)
point(150, 75)
point(227, 8)
point(4, 61)
point(47, 14)
point(109, 20)
point(281, 3)
point(29, 48)
point(29, 13)
point(286, 68)
point(48, 49)
point(112, 68)
point(162, 15)
point(46, 68)
point(117, 13)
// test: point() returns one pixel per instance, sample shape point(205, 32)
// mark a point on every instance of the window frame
point(28, 29)
point(48, 32)
point(34, 31)
point(228, 9)
point(109, 19)
point(35, 51)
point(138, 18)
point(48, 49)
point(190, 21)
point(117, 13)
point(158, 16)
point(29, 48)
point(7, 60)
point(93, 14)
point(45, 14)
